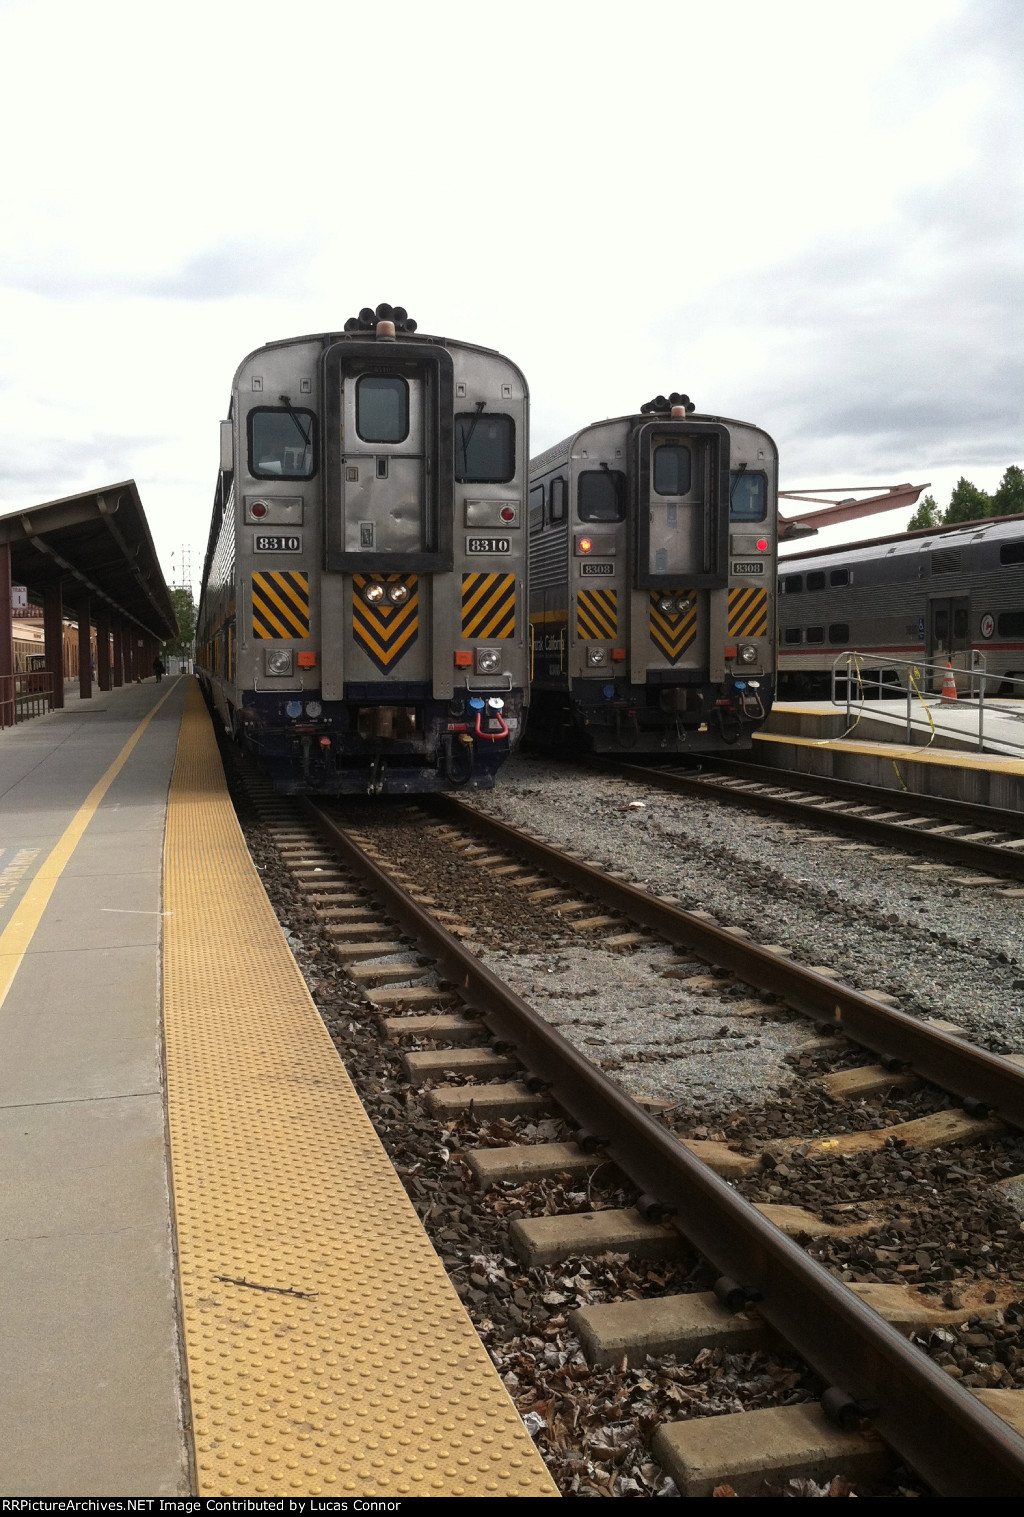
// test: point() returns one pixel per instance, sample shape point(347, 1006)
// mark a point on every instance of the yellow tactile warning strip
point(327, 1352)
point(947, 756)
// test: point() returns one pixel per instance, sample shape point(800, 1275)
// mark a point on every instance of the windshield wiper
point(306, 436)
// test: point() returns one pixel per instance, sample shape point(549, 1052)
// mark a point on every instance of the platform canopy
point(95, 545)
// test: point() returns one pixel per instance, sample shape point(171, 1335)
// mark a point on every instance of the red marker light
point(259, 510)
point(585, 544)
point(508, 513)
point(762, 545)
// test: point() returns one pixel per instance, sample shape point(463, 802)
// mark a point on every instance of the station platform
point(211, 1279)
point(870, 748)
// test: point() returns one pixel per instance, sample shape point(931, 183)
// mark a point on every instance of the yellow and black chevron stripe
point(748, 613)
point(673, 633)
point(280, 604)
point(597, 614)
point(488, 605)
point(385, 631)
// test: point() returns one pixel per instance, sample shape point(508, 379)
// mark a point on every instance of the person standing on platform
point(158, 668)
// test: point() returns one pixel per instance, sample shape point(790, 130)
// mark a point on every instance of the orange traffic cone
point(948, 686)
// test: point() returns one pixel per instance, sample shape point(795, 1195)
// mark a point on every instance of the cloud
point(225, 271)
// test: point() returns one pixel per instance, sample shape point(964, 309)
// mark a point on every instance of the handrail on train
point(848, 669)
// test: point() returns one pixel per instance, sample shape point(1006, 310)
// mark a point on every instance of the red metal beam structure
point(96, 551)
point(848, 509)
point(7, 703)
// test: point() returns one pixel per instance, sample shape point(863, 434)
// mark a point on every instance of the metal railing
point(857, 678)
point(23, 696)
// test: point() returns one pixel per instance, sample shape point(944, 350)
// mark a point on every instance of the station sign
point(19, 597)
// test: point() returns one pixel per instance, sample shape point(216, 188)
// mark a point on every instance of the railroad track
point(986, 841)
point(937, 1428)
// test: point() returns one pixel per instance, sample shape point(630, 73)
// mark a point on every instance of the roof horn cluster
point(667, 402)
point(367, 319)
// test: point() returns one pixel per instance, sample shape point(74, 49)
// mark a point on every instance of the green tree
point(185, 611)
point(926, 515)
point(967, 503)
point(1009, 497)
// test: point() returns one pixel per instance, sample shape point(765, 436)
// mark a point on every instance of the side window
point(382, 408)
point(556, 510)
point(672, 470)
point(793, 584)
point(485, 448)
point(1011, 553)
point(601, 495)
point(793, 635)
point(536, 508)
point(282, 443)
point(1011, 624)
point(748, 496)
point(839, 632)
point(839, 577)
point(815, 634)
point(816, 581)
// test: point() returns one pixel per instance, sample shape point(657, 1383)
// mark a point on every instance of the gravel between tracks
point(945, 950)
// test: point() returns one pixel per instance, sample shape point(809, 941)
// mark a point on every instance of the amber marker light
point(463, 658)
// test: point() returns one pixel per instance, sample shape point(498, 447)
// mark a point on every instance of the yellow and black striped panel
point(488, 605)
point(597, 614)
point(385, 631)
point(280, 604)
point(673, 632)
point(748, 613)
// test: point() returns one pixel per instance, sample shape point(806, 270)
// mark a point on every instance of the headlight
point(747, 653)
point(279, 661)
point(597, 656)
point(373, 592)
point(683, 604)
point(666, 604)
point(398, 594)
point(488, 660)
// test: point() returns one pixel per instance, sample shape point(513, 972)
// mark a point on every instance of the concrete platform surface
point(90, 1366)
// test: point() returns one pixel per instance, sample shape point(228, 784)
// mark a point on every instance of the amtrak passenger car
point(937, 594)
point(362, 625)
point(652, 582)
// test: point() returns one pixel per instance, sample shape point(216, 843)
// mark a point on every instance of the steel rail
point(932, 1423)
point(944, 808)
point(980, 856)
point(949, 1062)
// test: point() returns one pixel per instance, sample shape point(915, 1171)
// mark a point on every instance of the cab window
point(601, 495)
point(485, 448)
point(382, 408)
point(281, 443)
point(556, 509)
point(748, 496)
point(536, 508)
point(672, 469)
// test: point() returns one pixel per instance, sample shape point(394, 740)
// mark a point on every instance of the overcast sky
point(803, 214)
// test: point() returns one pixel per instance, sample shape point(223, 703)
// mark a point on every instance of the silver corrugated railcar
point(943, 593)
point(653, 544)
point(362, 624)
